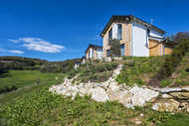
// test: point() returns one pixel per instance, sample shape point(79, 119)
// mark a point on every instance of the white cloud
point(11, 51)
point(38, 44)
point(14, 41)
point(16, 51)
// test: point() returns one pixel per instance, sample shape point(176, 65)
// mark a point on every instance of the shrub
point(52, 68)
point(8, 88)
point(173, 61)
point(115, 48)
point(95, 72)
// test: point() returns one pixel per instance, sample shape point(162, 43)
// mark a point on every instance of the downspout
point(147, 40)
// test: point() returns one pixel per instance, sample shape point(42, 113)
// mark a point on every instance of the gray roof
point(129, 18)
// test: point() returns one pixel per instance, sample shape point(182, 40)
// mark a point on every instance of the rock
point(98, 94)
point(180, 95)
point(169, 90)
point(184, 106)
point(114, 86)
point(169, 105)
point(166, 96)
point(141, 114)
point(136, 121)
point(108, 90)
point(123, 97)
point(142, 95)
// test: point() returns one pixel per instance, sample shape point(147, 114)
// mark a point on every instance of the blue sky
point(62, 29)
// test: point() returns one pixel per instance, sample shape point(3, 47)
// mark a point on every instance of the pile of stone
point(109, 90)
point(172, 100)
point(163, 99)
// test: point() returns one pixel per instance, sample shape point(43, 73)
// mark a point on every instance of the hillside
point(98, 93)
point(39, 107)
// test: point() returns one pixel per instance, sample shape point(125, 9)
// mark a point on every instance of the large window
point(122, 47)
point(119, 33)
point(110, 34)
point(108, 53)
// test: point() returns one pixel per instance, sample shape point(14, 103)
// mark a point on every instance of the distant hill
point(22, 63)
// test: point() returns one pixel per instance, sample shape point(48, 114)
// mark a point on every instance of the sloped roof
point(129, 18)
point(93, 46)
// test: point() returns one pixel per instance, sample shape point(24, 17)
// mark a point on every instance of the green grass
point(181, 75)
point(26, 81)
point(42, 108)
point(33, 105)
point(25, 78)
point(178, 119)
point(95, 72)
point(139, 70)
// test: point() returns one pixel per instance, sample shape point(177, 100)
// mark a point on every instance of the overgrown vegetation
point(139, 70)
point(180, 76)
point(42, 108)
point(159, 71)
point(19, 79)
point(94, 71)
point(19, 63)
point(171, 64)
point(59, 67)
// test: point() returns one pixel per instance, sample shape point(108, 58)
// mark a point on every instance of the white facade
point(140, 40)
point(99, 53)
point(90, 53)
point(114, 31)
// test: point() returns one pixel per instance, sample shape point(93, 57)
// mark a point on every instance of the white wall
point(114, 31)
point(139, 40)
point(90, 53)
point(99, 53)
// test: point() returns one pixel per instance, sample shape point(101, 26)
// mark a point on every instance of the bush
point(174, 60)
point(51, 68)
point(8, 88)
point(95, 72)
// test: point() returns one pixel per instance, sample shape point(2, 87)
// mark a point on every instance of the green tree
point(115, 48)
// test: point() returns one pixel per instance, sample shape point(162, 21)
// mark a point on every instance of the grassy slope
point(42, 108)
point(34, 105)
point(26, 81)
point(140, 70)
point(181, 76)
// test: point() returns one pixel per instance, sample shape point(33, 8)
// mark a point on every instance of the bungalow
point(137, 37)
point(94, 52)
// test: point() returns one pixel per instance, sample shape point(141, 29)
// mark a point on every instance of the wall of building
point(126, 37)
point(90, 53)
point(99, 53)
point(167, 51)
point(106, 41)
point(156, 48)
point(96, 53)
point(135, 39)
point(140, 40)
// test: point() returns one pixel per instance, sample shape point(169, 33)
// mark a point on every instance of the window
point(122, 47)
point(110, 34)
point(119, 33)
point(108, 53)
point(88, 54)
